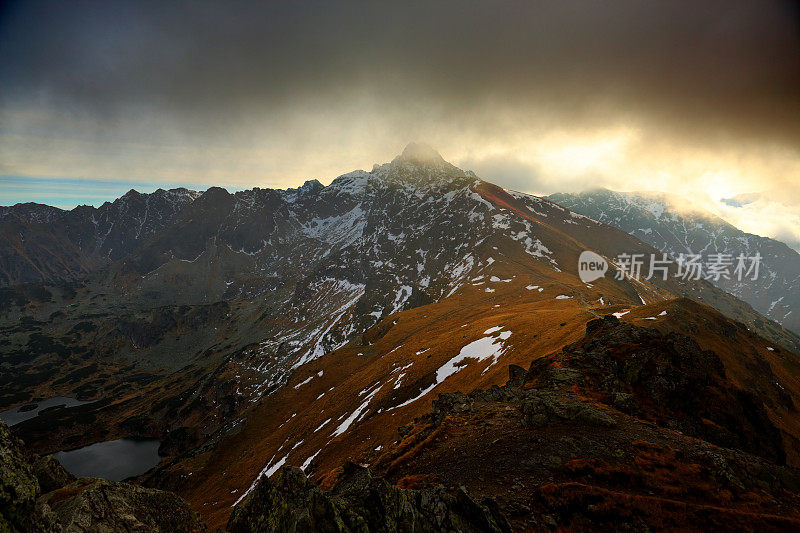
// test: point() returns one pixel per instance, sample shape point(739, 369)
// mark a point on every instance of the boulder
point(101, 505)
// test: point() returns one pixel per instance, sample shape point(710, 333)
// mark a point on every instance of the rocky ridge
point(623, 429)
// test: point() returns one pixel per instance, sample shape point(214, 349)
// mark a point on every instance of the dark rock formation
point(50, 474)
point(18, 485)
point(359, 502)
point(540, 408)
point(101, 505)
point(668, 379)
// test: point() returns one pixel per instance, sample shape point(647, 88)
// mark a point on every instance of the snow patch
point(481, 349)
point(307, 462)
point(344, 426)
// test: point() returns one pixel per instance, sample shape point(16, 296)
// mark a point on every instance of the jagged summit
point(419, 164)
point(420, 154)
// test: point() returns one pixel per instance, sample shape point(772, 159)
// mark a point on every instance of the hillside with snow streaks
point(407, 233)
point(311, 268)
point(296, 324)
point(317, 265)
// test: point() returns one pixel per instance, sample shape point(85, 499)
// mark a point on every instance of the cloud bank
point(696, 98)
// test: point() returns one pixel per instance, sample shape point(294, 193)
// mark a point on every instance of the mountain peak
point(421, 154)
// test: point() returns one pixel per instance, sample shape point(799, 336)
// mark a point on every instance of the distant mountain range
point(315, 327)
point(40, 243)
point(664, 222)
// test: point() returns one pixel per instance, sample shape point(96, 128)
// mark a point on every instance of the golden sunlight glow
point(565, 153)
point(718, 185)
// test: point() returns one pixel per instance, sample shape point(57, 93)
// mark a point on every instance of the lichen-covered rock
point(543, 407)
point(18, 485)
point(359, 502)
point(50, 474)
point(668, 379)
point(100, 505)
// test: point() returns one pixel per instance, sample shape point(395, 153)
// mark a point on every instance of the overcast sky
point(700, 99)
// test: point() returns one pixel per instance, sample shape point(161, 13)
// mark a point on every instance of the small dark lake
point(32, 410)
point(115, 459)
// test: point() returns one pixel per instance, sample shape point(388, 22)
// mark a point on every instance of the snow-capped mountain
point(271, 327)
point(665, 223)
point(312, 267)
point(328, 263)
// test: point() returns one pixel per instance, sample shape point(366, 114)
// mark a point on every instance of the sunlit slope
point(348, 405)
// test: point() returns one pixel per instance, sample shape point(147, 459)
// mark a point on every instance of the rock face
point(359, 502)
point(37, 494)
point(668, 379)
point(18, 485)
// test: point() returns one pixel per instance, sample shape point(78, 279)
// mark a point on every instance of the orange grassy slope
point(349, 404)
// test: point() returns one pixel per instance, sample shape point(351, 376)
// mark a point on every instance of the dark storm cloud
point(715, 67)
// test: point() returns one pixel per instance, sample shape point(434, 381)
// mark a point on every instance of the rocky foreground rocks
point(37, 494)
point(359, 501)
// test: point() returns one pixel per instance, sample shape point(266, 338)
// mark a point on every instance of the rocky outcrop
point(101, 505)
point(359, 502)
point(541, 408)
point(37, 494)
point(668, 379)
point(18, 485)
point(50, 474)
